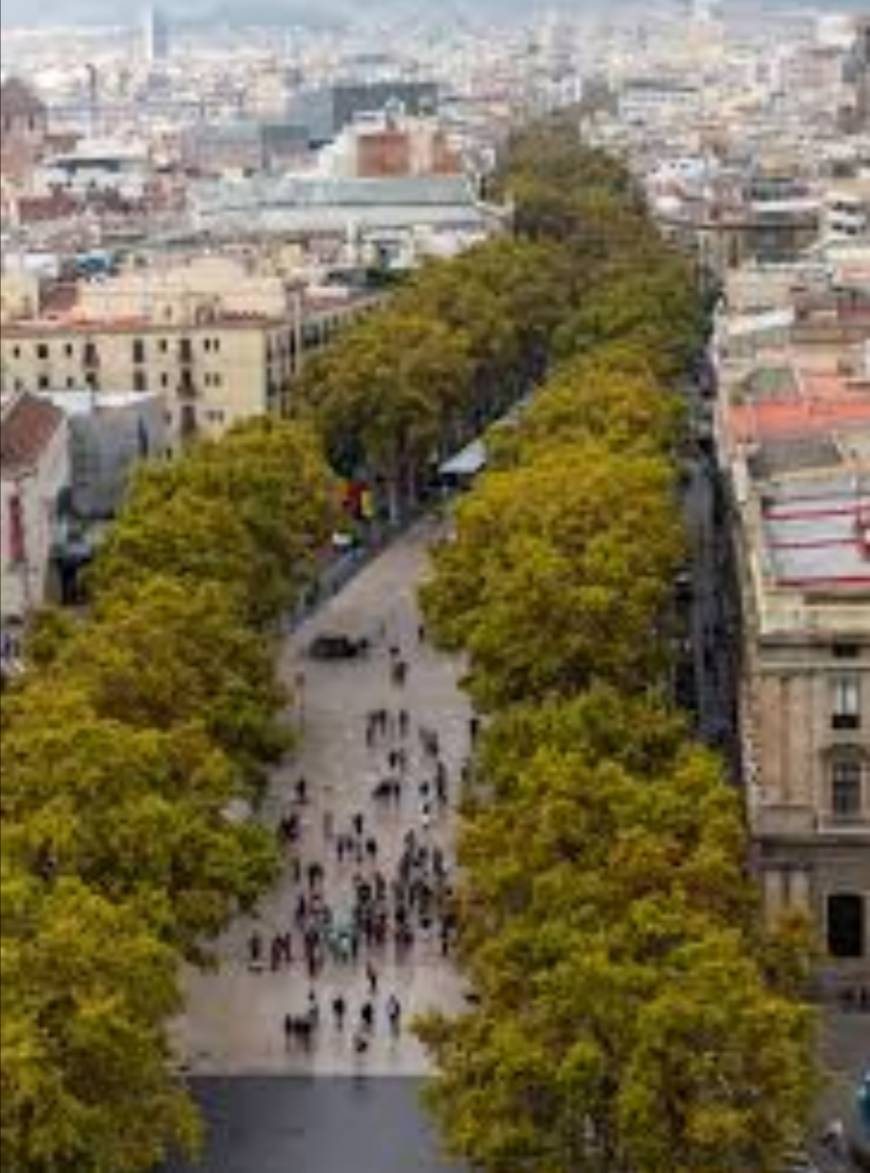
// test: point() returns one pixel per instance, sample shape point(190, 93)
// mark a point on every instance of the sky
point(25, 12)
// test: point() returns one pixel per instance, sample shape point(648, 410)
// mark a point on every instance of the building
point(34, 480)
point(217, 342)
point(395, 221)
point(326, 110)
point(109, 433)
point(646, 99)
point(793, 424)
point(155, 35)
point(24, 121)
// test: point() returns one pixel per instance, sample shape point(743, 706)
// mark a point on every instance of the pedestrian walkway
point(350, 713)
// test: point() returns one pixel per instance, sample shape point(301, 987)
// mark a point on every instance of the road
point(298, 1125)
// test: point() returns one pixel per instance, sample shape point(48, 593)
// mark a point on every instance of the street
point(234, 1021)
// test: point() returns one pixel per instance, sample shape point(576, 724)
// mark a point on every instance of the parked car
point(334, 645)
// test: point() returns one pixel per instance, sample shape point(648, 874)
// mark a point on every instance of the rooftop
point(28, 424)
point(817, 531)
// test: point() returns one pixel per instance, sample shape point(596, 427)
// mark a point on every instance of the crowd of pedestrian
point(359, 906)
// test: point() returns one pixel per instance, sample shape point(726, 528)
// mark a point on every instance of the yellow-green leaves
point(633, 1015)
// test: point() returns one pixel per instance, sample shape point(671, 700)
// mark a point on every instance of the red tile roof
point(27, 426)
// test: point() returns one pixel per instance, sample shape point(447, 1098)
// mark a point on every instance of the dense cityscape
point(435, 609)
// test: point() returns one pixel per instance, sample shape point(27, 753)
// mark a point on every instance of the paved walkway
point(234, 1018)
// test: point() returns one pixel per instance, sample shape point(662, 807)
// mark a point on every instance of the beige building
point(218, 343)
point(794, 437)
point(806, 702)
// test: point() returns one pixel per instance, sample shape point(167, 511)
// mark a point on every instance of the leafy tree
point(84, 1072)
point(556, 574)
point(162, 654)
point(595, 903)
point(137, 814)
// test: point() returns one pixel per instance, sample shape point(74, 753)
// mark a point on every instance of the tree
point(250, 511)
point(595, 903)
point(609, 395)
point(86, 987)
point(382, 393)
point(556, 574)
point(162, 654)
point(137, 814)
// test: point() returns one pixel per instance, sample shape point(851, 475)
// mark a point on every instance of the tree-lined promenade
point(633, 1015)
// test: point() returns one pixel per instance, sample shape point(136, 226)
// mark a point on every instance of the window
point(206, 345)
point(846, 786)
point(217, 379)
point(91, 381)
point(90, 355)
point(164, 346)
point(164, 380)
point(43, 382)
point(846, 702)
point(185, 352)
point(846, 925)
point(140, 381)
point(138, 350)
point(68, 350)
point(70, 382)
point(215, 343)
point(845, 651)
point(16, 352)
point(42, 350)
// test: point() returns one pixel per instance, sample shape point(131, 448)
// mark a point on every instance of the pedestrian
point(394, 1014)
point(421, 633)
point(301, 910)
point(301, 790)
point(372, 847)
point(358, 823)
point(338, 1009)
point(360, 1042)
point(313, 1009)
point(473, 728)
point(372, 978)
point(275, 953)
point(295, 869)
point(288, 1028)
point(255, 948)
point(404, 722)
point(315, 874)
point(367, 1016)
point(425, 816)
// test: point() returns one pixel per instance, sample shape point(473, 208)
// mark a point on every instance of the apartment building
point(34, 478)
point(793, 421)
point(217, 343)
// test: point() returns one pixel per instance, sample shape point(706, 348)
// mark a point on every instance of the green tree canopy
point(556, 573)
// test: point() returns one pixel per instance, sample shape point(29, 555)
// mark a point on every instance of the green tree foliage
point(250, 512)
point(127, 747)
point(84, 1078)
point(625, 1022)
point(556, 573)
point(633, 1013)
